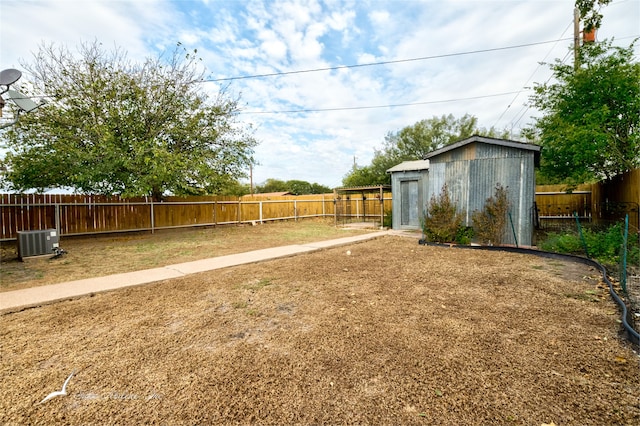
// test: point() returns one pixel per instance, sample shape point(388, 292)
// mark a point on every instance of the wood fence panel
point(615, 198)
point(282, 209)
point(227, 211)
point(87, 214)
point(553, 200)
point(173, 214)
point(250, 211)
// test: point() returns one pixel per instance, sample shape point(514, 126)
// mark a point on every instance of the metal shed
point(473, 167)
point(409, 192)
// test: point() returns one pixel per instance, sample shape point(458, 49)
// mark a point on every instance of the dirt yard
point(392, 333)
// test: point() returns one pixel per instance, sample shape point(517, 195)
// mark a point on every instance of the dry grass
point(394, 333)
point(105, 255)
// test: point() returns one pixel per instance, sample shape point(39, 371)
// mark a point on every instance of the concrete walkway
point(12, 301)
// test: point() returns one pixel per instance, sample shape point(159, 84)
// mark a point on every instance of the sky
point(370, 67)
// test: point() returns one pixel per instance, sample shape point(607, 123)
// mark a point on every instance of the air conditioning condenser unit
point(37, 243)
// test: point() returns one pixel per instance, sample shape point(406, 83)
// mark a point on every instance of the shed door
point(409, 211)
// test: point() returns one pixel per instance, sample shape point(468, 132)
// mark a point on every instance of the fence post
point(152, 218)
point(625, 238)
point(57, 218)
point(260, 212)
point(381, 208)
point(295, 210)
point(584, 243)
point(513, 229)
point(215, 212)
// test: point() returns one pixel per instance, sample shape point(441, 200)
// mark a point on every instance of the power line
point(532, 74)
point(378, 106)
point(423, 58)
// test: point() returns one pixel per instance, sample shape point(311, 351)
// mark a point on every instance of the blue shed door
point(409, 210)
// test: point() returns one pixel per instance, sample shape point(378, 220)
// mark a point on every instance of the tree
point(272, 185)
point(117, 127)
point(413, 143)
point(588, 13)
point(235, 189)
point(590, 128)
point(296, 187)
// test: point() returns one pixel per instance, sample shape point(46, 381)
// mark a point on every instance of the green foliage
point(604, 245)
point(489, 224)
point(388, 219)
point(272, 185)
point(589, 130)
point(562, 243)
point(296, 187)
point(464, 234)
point(235, 189)
point(413, 143)
point(588, 13)
point(116, 127)
point(442, 222)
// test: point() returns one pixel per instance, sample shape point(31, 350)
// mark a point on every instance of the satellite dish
point(9, 76)
point(23, 102)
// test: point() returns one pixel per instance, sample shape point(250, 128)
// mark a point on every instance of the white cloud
point(257, 37)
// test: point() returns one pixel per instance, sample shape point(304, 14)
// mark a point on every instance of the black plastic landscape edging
point(632, 335)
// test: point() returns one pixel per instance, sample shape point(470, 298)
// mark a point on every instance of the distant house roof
point(409, 166)
point(487, 140)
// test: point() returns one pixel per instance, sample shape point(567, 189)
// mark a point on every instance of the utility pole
point(250, 179)
point(576, 38)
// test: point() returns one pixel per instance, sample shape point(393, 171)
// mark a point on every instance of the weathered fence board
point(84, 214)
point(601, 203)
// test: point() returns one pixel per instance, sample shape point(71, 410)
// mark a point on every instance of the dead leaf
point(620, 360)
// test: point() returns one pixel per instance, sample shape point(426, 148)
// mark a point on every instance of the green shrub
point(388, 219)
point(464, 235)
point(441, 221)
point(562, 243)
point(489, 224)
point(604, 246)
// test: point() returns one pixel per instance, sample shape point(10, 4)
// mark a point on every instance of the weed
point(258, 284)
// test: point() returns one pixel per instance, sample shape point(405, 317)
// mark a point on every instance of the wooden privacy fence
point(83, 215)
point(601, 203)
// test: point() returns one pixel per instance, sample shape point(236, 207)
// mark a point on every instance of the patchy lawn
point(394, 333)
point(116, 253)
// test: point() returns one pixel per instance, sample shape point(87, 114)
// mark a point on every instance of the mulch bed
point(392, 333)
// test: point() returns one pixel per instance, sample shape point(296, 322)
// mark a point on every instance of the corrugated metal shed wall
point(471, 174)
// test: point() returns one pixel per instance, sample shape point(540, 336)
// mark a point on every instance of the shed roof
point(354, 189)
point(409, 166)
point(487, 140)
